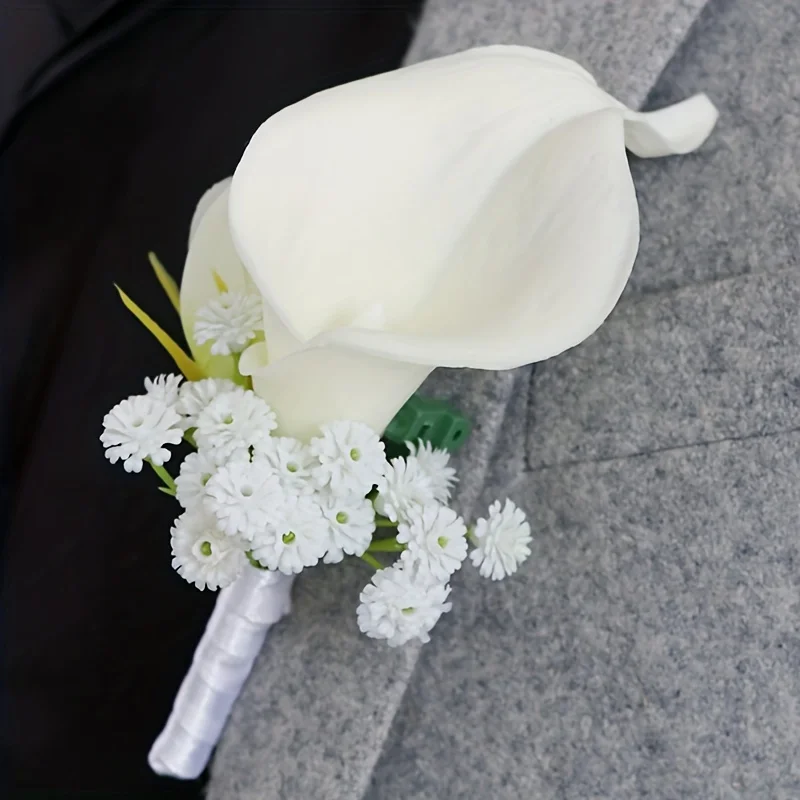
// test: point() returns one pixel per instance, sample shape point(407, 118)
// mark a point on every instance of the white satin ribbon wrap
point(233, 637)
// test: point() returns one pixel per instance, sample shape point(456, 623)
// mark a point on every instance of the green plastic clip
point(427, 419)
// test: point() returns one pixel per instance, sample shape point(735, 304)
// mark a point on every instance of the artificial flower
point(291, 460)
point(202, 555)
point(434, 463)
point(297, 536)
point(435, 539)
point(243, 495)
point(229, 322)
point(196, 471)
point(400, 604)
point(234, 421)
point(501, 541)
point(137, 429)
point(404, 486)
point(194, 396)
point(164, 388)
point(351, 457)
point(351, 523)
point(505, 234)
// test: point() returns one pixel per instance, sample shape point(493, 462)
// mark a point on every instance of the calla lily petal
point(475, 210)
point(429, 156)
point(674, 130)
point(205, 202)
point(306, 384)
point(322, 384)
point(568, 258)
point(210, 250)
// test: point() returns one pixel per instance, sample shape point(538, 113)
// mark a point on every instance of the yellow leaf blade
point(186, 365)
point(166, 280)
point(222, 287)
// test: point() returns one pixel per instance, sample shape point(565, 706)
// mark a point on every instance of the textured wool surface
point(624, 45)
point(734, 206)
point(716, 361)
point(648, 648)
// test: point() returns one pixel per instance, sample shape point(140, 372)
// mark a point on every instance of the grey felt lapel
point(700, 364)
point(647, 649)
point(313, 718)
point(625, 45)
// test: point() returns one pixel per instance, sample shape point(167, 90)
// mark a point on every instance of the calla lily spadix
point(475, 210)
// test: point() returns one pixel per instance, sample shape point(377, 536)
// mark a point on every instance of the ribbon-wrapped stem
point(235, 633)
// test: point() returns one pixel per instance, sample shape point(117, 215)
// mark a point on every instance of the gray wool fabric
point(649, 646)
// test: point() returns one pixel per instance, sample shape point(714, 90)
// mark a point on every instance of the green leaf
point(189, 368)
point(167, 281)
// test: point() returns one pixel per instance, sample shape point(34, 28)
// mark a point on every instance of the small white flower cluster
point(245, 492)
point(137, 429)
point(284, 505)
point(406, 600)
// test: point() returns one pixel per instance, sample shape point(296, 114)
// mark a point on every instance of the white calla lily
point(475, 210)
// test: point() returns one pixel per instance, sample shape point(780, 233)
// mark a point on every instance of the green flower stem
point(471, 535)
point(242, 380)
point(188, 435)
point(372, 561)
point(253, 561)
point(382, 522)
point(386, 546)
point(165, 477)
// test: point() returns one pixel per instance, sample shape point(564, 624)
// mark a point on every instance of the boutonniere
point(472, 211)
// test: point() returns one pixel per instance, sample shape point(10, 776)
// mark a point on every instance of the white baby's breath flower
point(436, 538)
point(195, 472)
point(351, 457)
point(230, 322)
point(351, 523)
point(400, 605)
point(194, 396)
point(501, 541)
point(404, 486)
point(434, 463)
point(138, 428)
point(297, 538)
point(243, 496)
point(292, 461)
point(202, 554)
point(164, 388)
point(234, 421)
